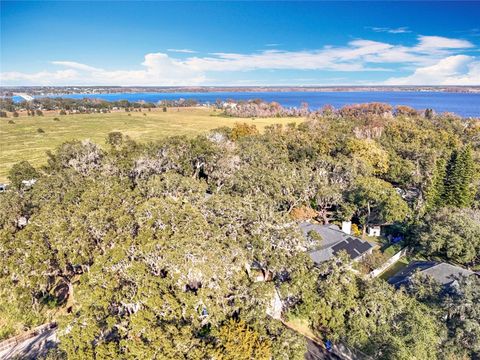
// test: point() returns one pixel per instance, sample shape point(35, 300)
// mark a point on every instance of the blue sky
point(239, 43)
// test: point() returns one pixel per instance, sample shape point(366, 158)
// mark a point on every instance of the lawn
point(392, 270)
point(22, 141)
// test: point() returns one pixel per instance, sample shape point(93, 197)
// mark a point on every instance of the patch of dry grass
point(22, 141)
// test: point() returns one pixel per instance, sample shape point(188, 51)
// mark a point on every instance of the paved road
point(31, 348)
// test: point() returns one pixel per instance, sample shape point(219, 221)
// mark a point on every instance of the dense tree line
point(144, 250)
point(85, 105)
point(372, 111)
point(260, 108)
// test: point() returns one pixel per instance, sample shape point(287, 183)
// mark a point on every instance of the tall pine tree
point(436, 190)
point(466, 175)
point(458, 179)
point(452, 181)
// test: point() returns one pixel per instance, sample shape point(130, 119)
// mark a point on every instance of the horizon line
point(236, 86)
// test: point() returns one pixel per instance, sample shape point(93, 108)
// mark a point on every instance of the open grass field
point(22, 141)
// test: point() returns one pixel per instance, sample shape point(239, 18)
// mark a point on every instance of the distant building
point(445, 274)
point(333, 240)
point(374, 230)
point(29, 183)
point(347, 227)
point(229, 105)
point(3, 188)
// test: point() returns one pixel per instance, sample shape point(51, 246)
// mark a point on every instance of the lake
point(463, 104)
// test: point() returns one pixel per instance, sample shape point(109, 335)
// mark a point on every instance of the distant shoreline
point(463, 103)
point(65, 90)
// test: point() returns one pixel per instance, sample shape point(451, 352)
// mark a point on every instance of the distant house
point(333, 240)
point(445, 274)
point(28, 183)
point(3, 188)
point(229, 105)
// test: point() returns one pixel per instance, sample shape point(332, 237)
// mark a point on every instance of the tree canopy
point(150, 250)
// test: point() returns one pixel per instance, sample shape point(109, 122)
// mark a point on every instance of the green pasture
point(23, 141)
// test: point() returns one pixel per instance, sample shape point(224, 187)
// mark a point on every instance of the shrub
point(15, 114)
point(361, 111)
point(22, 170)
point(355, 230)
point(63, 112)
point(56, 119)
point(39, 113)
point(3, 114)
point(314, 236)
point(243, 129)
point(40, 131)
point(11, 122)
point(372, 261)
point(405, 110)
point(114, 138)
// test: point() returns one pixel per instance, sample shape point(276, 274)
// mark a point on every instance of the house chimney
point(347, 227)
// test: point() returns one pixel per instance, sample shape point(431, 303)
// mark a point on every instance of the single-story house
point(332, 240)
point(445, 274)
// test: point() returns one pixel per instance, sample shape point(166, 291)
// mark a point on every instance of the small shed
point(374, 230)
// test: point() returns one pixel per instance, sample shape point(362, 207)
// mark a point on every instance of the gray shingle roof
point(443, 273)
point(333, 241)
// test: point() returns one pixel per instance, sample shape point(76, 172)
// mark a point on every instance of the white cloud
point(158, 69)
point(429, 43)
point(42, 77)
point(399, 30)
point(274, 59)
point(183, 51)
point(452, 70)
point(75, 65)
point(431, 54)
